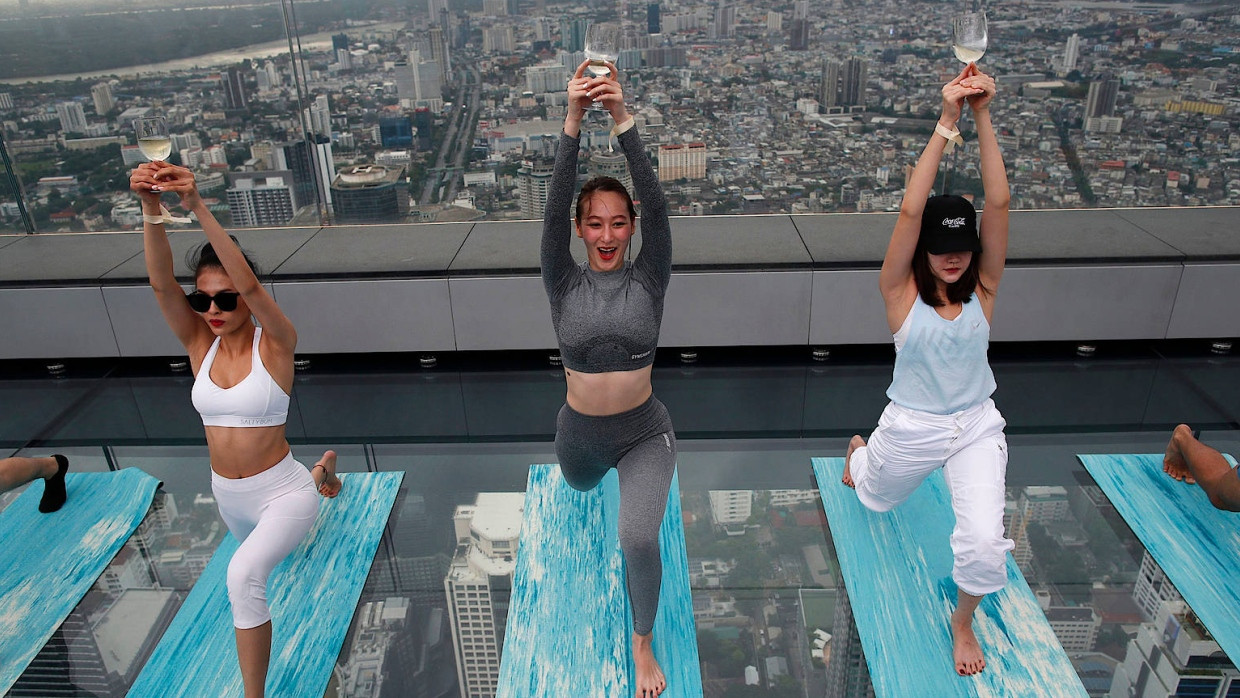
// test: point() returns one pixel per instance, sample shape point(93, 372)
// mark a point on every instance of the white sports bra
point(257, 401)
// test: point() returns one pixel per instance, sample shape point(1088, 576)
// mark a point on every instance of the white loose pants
point(270, 513)
point(971, 449)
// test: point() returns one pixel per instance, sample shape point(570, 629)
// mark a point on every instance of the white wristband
point(165, 216)
point(953, 137)
point(621, 128)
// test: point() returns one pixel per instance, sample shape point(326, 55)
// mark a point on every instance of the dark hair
point(927, 284)
point(204, 257)
point(602, 184)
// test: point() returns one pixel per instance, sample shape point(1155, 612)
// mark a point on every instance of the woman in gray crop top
point(606, 314)
point(938, 282)
point(243, 378)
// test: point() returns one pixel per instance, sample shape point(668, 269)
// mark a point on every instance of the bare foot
point(1173, 460)
point(327, 482)
point(854, 444)
point(650, 681)
point(966, 651)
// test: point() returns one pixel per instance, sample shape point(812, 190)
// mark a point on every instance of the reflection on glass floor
point(770, 610)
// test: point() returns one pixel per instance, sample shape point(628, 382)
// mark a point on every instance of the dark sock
point(54, 487)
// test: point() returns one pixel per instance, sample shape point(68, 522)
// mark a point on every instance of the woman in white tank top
point(243, 378)
point(938, 282)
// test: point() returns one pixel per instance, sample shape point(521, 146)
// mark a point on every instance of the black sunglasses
point(224, 300)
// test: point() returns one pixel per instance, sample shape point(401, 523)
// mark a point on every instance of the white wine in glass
point(969, 37)
point(153, 139)
point(602, 47)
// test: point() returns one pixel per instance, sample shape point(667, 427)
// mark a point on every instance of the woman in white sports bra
point(938, 281)
point(243, 375)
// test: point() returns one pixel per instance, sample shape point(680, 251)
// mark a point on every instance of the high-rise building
point(682, 161)
point(340, 42)
point(855, 74)
point(848, 675)
point(548, 77)
point(233, 84)
point(396, 131)
point(406, 80)
point(800, 9)
point(798, 35)
point(1175, 656)
point(614, 165)
point(1075, 627)
point(440, 53)
point(261, 198)
point(215, 155)
point(1071, 53)
point(423, 121)
point(653, 25)
point(731, 508)
point(273, 74)
point(295, 157)
point(263, 154)
point(181, 141)
point(1103, 95)
point(6, 101)
point(829, 91)
point(104, 101)
point(434, 8)
point(725, 22)
point(774, 22)
point(533, 182)
point(1152, 588)
point(573, 34)
point(319, 117)
point(72, 117)
point(478, 585)
point(495, 8)
point(497, 39)
point(1044, 504)
point(324, 170)
point(370, 194)
point(426, 82)
point(73, 652)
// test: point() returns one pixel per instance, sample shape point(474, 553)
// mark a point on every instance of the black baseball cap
point(949, 224)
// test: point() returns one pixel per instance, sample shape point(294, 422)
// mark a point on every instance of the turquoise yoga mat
point(1197, 546)
point(897, 570)
point(50, 561)
point(312, 595)
point(570, 625)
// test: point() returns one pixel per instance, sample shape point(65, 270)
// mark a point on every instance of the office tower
point(478, 586)
point(798, 35)
point(406, 80)
point(533, 181)
point(1103, 94)
point(340, 42)
point(855, 73)
point(396, 131)
point(774, 22)
point(731, 508)
point(295, 157)
point(273, 74)
point(549, 77)
point(848, 675)
point(1152, 588)
point(424, 121)
point(261, 198)
point(607, 164)
point(800, 10)
point(426, 81)
point(829, 92)
point(1175, 656)
point(440, 53)
point(725, 22)
point(682, 161)
point(344, 59)
point(1071, 53)
point(653, 26)
point(233, 84)
point(319, 117)
point(181, 141)
point(497, 40)
point(573, 34)
point(6, 101)
point(370, 194)
point(72, 117)
point(104, 101)
point(324, 170)
point(435, 7)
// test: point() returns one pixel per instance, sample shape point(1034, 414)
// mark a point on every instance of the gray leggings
point(641, 446)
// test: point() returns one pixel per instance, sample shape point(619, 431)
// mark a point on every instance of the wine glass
point(602, 47)
point(153, 138)
point(969, 36)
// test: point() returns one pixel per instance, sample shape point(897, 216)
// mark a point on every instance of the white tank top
point(941, 365)
point(257, 401)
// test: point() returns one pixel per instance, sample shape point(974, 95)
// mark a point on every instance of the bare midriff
point(601, 394)
point(238, 452)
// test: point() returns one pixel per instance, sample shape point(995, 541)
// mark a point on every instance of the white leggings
point(269, 513)
point(970, 447)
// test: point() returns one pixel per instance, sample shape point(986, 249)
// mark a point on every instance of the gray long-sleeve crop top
point(606, 321)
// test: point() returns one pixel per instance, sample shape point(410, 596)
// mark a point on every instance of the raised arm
point(557, 260)
point(654, 261)
point(184, 322)
point(894, 281)
point(994, 225)
point(277, 329)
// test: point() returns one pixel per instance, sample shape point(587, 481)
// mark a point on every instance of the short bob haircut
point(597, 184)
